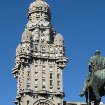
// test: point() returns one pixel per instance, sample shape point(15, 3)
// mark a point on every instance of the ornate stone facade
point(40, 58)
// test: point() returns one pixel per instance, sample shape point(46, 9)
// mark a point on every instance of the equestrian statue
point(94, 85)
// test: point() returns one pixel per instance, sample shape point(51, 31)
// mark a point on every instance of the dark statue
point(94, 85)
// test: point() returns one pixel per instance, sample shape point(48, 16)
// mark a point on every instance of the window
point(36, 81)
point(36, 53)
point(35, 96)
point(43, 87)
point(58, 70)
point(58, 103)
point(50, 69)
point(60, 48)
point(50, 62)
point(28, 73)
point(61, 52)
point(43, 48)
point(43, 68)
point(36, 74)
point(43, 75)
point(44, 54)
point(43, 81)
point(23, 49)
point(56, 55)
point(27, 102)
point(28, 80)
point(58, 89)
point(51, 97)
point(36, 67)
point(51, 89)
point(56, 49)
point(36, 47)
point(58, 83)
point(19, 73)
point(51, 82)
point(51, 55)
point(27, 50)
point(36, 88)
point(42, 38)
point(61, 42)
point(50, 75)
point(58, 76)
point(19, 79)
point(43, 61)
point(28, 86)
point(60, 55)
point(20, 84)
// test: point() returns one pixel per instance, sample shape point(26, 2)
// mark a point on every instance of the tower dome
point(39, 6)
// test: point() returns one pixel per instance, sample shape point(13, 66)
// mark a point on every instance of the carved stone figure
point(94, 84)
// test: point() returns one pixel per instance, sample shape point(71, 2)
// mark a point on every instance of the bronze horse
point(96, 88)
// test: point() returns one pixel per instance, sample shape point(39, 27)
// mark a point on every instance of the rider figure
point(95, 63)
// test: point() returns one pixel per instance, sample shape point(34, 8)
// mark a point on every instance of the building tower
point(39, 60)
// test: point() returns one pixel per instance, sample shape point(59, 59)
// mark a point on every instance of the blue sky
point(81, 22)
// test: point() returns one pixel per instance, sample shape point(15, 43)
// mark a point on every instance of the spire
point(39, 0)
